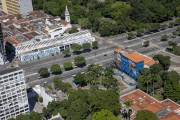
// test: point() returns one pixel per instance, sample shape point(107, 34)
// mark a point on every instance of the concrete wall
point(25, 6)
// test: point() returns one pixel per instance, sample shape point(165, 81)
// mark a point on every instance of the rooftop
point(142, 101)
point(135, 57)
point(9, 70)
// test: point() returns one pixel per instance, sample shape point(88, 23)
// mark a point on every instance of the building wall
point(25, 6)
point(42, 92)
point(127, 66)
point(2, 50)
point(4, 6)
point(17, 6)
point(13, 95)
point(10, 6)
point(59, 41)
point(52, 50)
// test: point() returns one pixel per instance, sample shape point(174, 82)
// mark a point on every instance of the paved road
point(156, 45)
point(106, 46)
point(65, 75)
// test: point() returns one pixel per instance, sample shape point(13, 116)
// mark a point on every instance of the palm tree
point(128, 110)
point(148, 81)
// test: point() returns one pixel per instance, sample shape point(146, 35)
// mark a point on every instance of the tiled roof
point(141, 101)
point(63, 22)
point(12, 40)
point(170, 116)
point(136, 57)
point(119, 49)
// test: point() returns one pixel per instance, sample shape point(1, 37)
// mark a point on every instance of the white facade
point(41, 92)
point(67, 16)
point(1, 59)
point(25, 7)
point(47, 46)
point(13, 95)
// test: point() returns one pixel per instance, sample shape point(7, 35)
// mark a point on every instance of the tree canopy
point(79, 61)
point(145, 115)
point(55, 68)
point(43, 72)
point(112, 17)
point(103, 115)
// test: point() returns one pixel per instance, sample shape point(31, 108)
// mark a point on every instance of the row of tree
point(110, 17)
point(77, 48)
point(158, 81)
point(153, 28)
point(79, 61)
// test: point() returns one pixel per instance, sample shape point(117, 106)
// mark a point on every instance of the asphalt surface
point(106, 46)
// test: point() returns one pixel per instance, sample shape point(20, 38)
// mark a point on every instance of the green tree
point(40, 99)
point(108, 27)
point(171, 24)
point(86, 46)
point(35, 116)
point(164, 61)
point(84, 22)
point(171, 43)
point(172, 86)
point(145, 71)
point(66, 52)
point(80, 61)
point(145, 115)
point(177, 11)
point(127, 111)
point(78, 110)
point(131, 35)
point(74, 30)
point(177, 50)
point(104, 115)
point(164, 37)
point(95, 44)
point(175, 33)
point(59, 85)
point(140, 32)
point(43, 72)
point(80, 79)
point(23, 117)
point(177, 22)
point(164, 26)
point(156, 68)
point(68, 65)
point(55, 69)
point(146, 43)
point(76, 47)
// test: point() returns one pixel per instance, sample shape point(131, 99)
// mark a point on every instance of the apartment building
point(13, 95)
point(17, 6)
point(2, 50)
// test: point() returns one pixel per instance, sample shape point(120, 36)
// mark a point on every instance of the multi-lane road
point(106, 46)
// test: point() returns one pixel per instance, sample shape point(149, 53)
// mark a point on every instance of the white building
point(31, 50)
point(25, 7)
point(13, 95)
point(42, 92)
point(67, 16)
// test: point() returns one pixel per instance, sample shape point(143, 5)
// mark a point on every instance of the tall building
point(17, 6)
point(2, 50)
point(13, 95)
point(67, 15)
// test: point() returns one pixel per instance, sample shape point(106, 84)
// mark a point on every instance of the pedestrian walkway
point(124, 78)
